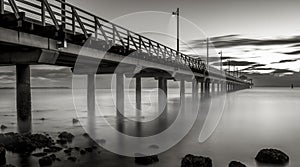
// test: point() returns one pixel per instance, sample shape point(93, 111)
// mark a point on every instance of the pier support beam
point(182, 94)
point(23, 99)
point(207, 87)
point(202, 88)
point(91, 95)
point(120, 95)
point(138, 93)
point(162, 94)
point(212, 87)
point(195, 90)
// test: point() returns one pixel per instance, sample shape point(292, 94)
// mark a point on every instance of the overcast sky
point(260, 37)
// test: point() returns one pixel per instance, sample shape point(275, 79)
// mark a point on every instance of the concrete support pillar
point(23, 99)
point(138, 93)
point(212, 87)
point(195, 90)
point(162, 94)
point(120, 95)
point(207, 87)
point(218, 87)
point(202, 88)
point(91, 95)
point(182, 94)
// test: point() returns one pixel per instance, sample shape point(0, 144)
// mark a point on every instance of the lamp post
point(221, 55)
point(177, 15)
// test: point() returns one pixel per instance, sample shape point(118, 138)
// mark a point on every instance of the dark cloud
point(282, 71)
point(293, 53)
point(236, 40)
point(286, 61)
point(238, 63)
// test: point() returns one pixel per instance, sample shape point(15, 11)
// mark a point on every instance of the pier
point(53, 32)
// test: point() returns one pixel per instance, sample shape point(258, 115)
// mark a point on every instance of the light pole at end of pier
point(221, 57)
point(177, 15)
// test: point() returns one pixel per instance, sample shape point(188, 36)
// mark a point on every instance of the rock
point(3, 127)
point(68, 151)
point(73, 159)
point(53, 157)
point(45, 161)
point(43, 119)
point(272, 156)
point(196, 161)
point(67, 136)
point(75, 120)
point(89, 149)
point(77, 148)
point(2, 156)
point(236, 164)
point(86, 135)
point(42, 154)
point(25, 144)
point(147, 160)
point(8, 165)
point(82, 152)
point(62, 141)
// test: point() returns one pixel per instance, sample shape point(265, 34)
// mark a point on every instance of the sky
point(259, 37)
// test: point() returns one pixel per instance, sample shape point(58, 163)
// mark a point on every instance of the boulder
point(8, 165)
point(67, 136)
point(2, 156)
point(45, 161)
point(25, 144)
point(236, 164)
point(3, 127)
point(42, 154)
point(146, 160)
point(73, 159)
point(196, 161)
point(272, 156)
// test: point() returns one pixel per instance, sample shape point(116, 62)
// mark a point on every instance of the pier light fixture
point(177, 15)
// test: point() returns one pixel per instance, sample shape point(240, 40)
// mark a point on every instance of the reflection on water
point(252, 119)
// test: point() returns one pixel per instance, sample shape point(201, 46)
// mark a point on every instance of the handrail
point(78, 21)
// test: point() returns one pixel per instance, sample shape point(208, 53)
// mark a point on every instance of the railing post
point(73, 22)
point(1, 6)
point(63, 14)
point(114, 35)
point(128, 40)
point(43, 15)
point(96, 27)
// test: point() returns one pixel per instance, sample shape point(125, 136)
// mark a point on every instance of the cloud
point(236, 40)
point(286, 61)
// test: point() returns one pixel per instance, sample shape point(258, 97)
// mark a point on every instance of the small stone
point(43, 119)
point(77, 148)
point(75, 120)
point(62, 141)
point(196, 161)
point(73, 159)
point(3, 127)
point(8, 165)
point(2, 156)
point(89, 149)
point(67, 136)
point(45, 161)
point(39, 154)
point(146, 160)
point(58, 159)
point(236, 164)
point(272, 156)
point(68, 151)
point(82, 152)
point(53, 157)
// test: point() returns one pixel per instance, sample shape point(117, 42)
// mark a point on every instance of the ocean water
point(250, 120)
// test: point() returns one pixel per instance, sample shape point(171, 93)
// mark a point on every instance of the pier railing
point(69, 18)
